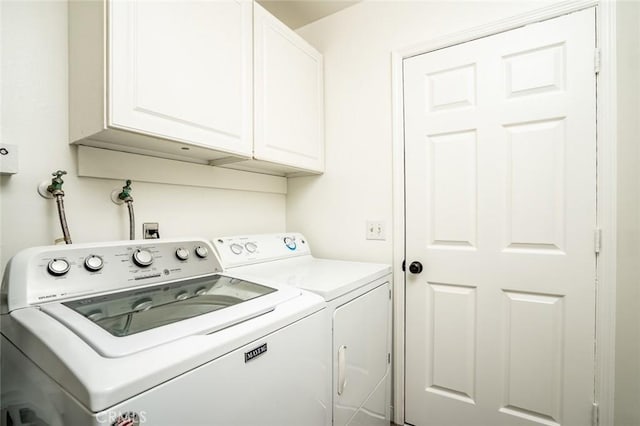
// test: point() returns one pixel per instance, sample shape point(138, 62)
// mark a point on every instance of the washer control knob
point(202, 252)
point(236, 248)
point(290, 242)
point(142, 257)
point(182, 253)
point(251, 247)
point(142, 304)
point(182, 295)
point(93, 263)
point(58, 267)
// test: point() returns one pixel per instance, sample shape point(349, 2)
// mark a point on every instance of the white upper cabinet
point(182, 70)
point(177, 79)
point(147, 74)
point(289, 93)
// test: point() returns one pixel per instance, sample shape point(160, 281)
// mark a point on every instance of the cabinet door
point(182, 70)
point(361, 339)
point(289, 109)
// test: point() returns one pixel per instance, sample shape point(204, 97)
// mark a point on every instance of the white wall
point(331, 210)
point(34, 117)
point(627, 396)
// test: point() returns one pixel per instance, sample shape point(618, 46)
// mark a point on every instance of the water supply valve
point(124, 196)
point(48, 189)
point(120, 196)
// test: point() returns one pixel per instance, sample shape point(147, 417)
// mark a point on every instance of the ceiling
point(297, 13)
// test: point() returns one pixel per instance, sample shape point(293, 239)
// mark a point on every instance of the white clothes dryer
point(359, 317)
point(151, 332)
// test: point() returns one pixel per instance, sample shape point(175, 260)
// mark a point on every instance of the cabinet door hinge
point(596, 60)
point(595, 414)
point(597, 240)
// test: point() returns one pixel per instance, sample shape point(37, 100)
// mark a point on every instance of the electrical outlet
point(151, 230)
point(375, 230)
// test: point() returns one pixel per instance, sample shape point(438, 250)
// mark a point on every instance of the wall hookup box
point(8, 159)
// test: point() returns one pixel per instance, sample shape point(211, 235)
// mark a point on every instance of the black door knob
point(415, 267)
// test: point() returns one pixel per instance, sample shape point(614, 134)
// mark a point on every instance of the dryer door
point(361, 342)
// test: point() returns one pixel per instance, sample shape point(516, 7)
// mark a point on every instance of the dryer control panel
point(249, 249)
point(54, 273)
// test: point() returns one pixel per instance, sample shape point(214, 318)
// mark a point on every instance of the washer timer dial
point(182, 253)
point(202, 252)
point(58, 267)
point(142, 258)
point(93, 263)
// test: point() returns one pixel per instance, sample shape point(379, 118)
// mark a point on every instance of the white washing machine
point(359, 317)
point(150, 332)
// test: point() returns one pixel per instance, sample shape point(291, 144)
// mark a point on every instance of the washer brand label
point(254, 353)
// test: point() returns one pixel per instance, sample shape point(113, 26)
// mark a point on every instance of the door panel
point(452, 189)
point(533, 330)
point(452, 355)
point(182, 70)
point(500, 149)
point(535, 183)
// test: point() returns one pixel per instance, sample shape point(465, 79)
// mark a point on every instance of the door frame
point(606, 99)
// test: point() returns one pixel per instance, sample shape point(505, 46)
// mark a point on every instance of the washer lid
point(328, 278)
point(100, 383)
point(119, 324)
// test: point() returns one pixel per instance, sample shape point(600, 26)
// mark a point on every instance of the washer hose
point(125, 195)
point(63, 218)
point(132, 220)
point(56, 190)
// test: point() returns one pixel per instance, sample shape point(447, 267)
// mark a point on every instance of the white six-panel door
point(500, 145)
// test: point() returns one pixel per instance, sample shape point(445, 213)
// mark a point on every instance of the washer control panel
point(54, 273)
point(248, 249)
